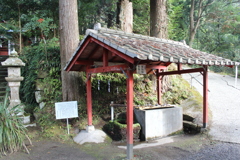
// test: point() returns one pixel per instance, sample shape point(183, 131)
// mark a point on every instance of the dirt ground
point(47, 149)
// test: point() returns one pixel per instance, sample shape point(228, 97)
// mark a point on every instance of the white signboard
point(66, 110)
point(141, 69)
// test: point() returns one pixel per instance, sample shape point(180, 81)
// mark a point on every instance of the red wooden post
point(105, 57)
point(130, 115)
point(159, 88)
point(179, 65)
point(205, 96)
point(89, 99)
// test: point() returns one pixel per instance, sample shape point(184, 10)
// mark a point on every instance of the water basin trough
point(159, 122)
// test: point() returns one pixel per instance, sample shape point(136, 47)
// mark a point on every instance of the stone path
point(224, 102)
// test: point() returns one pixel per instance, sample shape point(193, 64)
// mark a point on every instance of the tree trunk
point(158, 19)
point(69, 39)
point(193, 26)
point(126, 16)
point(158, 28)
point(195, 16)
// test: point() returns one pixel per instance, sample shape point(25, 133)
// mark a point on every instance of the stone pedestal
point(90, 128)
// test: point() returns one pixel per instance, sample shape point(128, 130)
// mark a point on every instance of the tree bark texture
point(158, 28)
point(69, 39)
point(126, 16)
point(158, 19)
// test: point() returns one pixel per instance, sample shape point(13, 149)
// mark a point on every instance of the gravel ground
point(224, 102)
point(50, 150)
point(220, 151)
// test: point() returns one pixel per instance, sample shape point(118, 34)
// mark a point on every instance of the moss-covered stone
point(117, 130)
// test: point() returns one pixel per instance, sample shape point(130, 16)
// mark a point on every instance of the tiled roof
point(156, 49)
point(152, 49)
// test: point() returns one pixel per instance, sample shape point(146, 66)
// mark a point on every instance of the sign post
point(65, 110)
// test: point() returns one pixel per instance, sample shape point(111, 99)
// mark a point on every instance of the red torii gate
point(105, 50)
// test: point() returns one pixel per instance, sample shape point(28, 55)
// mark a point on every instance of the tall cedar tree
point(125, 17)
point(69, 39)
point(158, 28)
point(158, 18)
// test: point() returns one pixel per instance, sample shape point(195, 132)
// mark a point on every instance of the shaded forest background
point(217, 33)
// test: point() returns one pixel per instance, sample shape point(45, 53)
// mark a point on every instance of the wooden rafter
point(77, 55)
point(124, 56)
point(116, 68)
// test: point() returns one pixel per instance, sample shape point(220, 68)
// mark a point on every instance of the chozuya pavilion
point(107, 50)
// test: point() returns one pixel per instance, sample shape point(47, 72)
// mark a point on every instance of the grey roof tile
point(155, 49)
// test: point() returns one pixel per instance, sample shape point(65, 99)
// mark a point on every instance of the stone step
point(3, 75)
point(2, 80)
point(3, 72)
point(191, 128)
point(1, 92)
point(187, 117)
point(3, 68)
point(3, 89)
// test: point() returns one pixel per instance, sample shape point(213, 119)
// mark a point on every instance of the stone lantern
point(14, 78)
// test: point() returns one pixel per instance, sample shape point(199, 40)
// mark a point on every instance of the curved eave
point(132, 48)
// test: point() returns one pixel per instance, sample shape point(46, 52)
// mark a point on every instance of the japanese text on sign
point(66, 110)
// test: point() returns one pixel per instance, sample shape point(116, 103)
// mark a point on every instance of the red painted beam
point(167, 63)
point(120, 54)
point(156, 66)
point(116, 68)
point(89, 98)
point(205, 96)
point(148, 72)
point(230, 66)
point(181, 71)
point(129, 114)
point(85, 62)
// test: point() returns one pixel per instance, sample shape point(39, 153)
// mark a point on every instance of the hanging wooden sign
point(141, 69)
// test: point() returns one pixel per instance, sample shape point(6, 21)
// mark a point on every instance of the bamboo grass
point(12, 130)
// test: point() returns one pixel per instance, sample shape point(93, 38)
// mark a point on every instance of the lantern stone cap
point(13, 60)
point(14, 79)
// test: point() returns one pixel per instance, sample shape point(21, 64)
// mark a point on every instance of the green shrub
point(177, 92)
point(41, 59)
point(12, 130)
